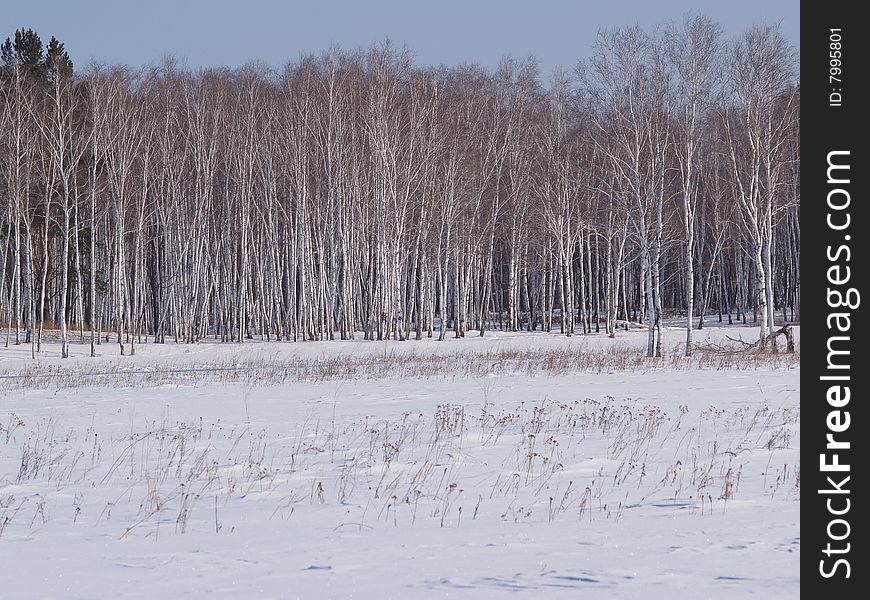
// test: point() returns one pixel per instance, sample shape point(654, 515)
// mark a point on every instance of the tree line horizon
point(356, 193)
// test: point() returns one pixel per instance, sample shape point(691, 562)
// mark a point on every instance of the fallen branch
point(761, 344)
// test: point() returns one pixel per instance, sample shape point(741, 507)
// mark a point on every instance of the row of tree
point(355, 193)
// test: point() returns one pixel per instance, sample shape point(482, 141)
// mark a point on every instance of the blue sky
point(223, 32)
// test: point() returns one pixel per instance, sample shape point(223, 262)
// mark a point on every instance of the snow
point(665, 482)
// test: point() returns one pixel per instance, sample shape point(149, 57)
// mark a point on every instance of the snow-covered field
point(512, 465)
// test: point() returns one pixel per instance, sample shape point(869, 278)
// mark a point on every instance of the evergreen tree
point(7, 53)
point(57, 62)
point(25, 50)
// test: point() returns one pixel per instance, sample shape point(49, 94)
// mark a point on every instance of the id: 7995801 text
point(835, 67)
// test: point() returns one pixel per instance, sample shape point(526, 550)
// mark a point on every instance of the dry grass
point(547, 461)
point(258, 370)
